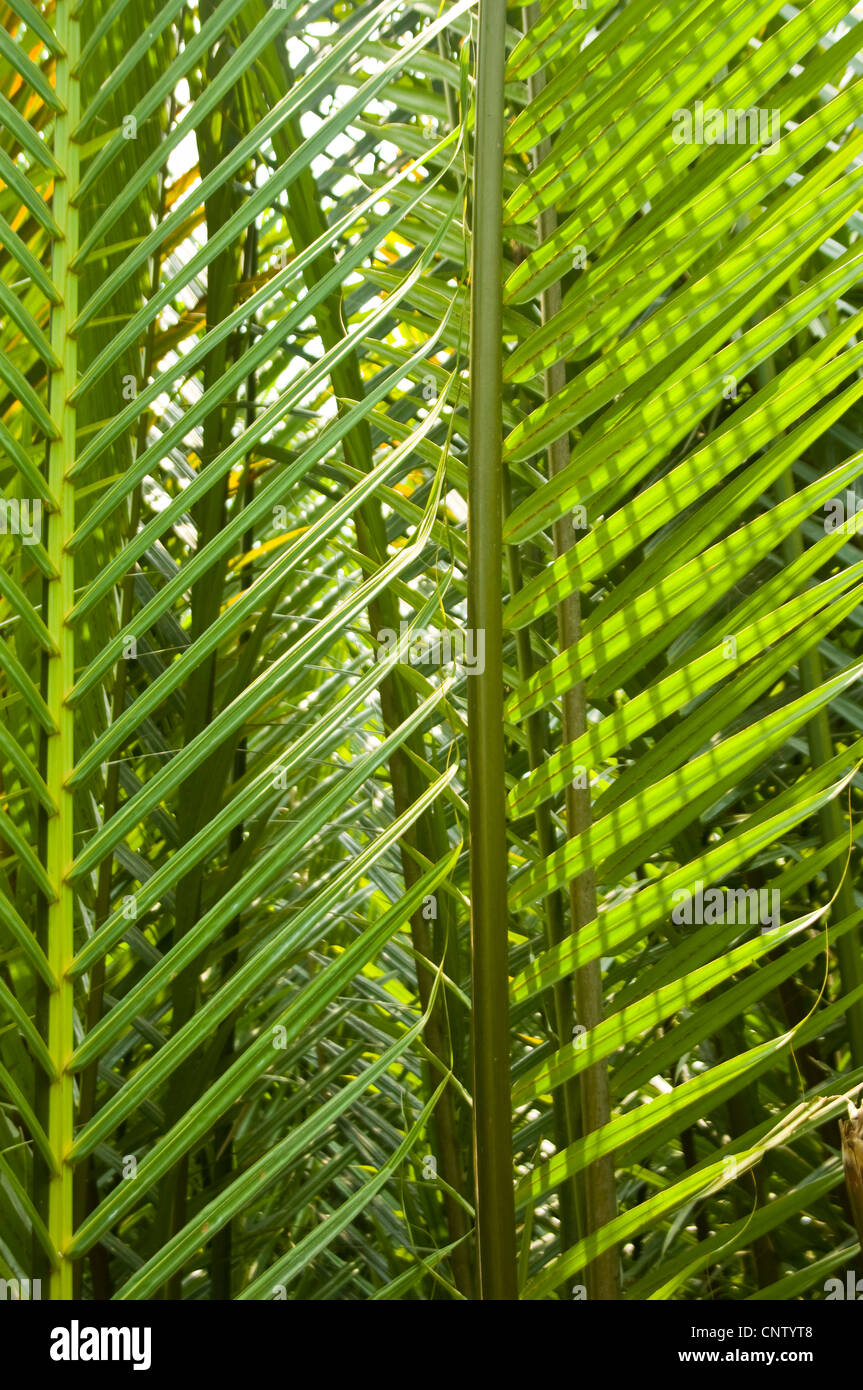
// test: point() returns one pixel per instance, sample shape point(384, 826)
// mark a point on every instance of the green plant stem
point(61, 666)
point(488, 849)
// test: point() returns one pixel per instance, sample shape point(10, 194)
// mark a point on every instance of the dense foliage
point(406, 408)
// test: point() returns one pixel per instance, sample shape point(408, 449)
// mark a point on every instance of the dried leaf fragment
point(851, 1131)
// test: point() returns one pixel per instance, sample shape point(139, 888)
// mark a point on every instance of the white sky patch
point(310, 124)
point(457, 505)
point(297, 52)
point(184, 157)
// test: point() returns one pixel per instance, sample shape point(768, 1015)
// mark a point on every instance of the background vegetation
point(251, 1031)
